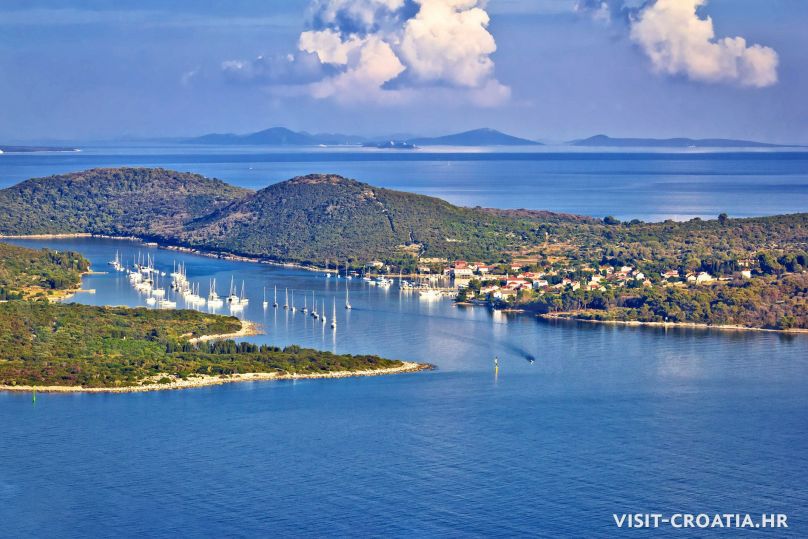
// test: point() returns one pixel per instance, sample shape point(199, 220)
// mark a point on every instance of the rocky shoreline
point(689, 325)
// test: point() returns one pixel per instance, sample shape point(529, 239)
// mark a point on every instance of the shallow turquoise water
point(606, 420)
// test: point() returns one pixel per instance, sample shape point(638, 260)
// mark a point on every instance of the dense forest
point(307, 219)
point(78, 345)
point(720, 246)
point(770, 303)
point(318, 217)
point(126, 201)
point(313, 218)
point(27, 273)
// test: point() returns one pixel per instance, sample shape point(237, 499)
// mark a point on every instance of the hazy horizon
point(546, 70)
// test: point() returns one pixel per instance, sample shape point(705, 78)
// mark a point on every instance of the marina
point(149, 271)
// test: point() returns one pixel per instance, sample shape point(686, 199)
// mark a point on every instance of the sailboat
point(275, 302)
point(243, 299)
point(314, 307)
point(334, 314)
point(286, 301)
point(347, 300)
point(157, 291)
point(325, 318)
point(116, 263)
point(213, 298)
point(265, 304)
point(294, 309)
point(232, 297)
point(305, 304)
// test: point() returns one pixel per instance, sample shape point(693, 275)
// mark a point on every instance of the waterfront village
point(476, 282)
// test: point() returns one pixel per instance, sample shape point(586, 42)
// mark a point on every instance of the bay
point(605, 420)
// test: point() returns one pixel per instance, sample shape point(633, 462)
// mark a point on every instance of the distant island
point(476, 137)
point(748, 272)
point(278, 136)
point(30, 149)
point(391, 145)
point(71, 347)
point(281, 136)
point(609, 142)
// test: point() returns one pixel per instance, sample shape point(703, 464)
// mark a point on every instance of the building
point(701, 278)
point(504, 294)
point(462, 273)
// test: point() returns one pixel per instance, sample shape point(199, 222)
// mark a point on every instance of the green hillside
point(80, 345)
point(123, 201)
point(28, 272)
point(311, 218)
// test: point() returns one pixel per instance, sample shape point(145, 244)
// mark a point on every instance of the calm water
point(652, 186)
point(605, 420)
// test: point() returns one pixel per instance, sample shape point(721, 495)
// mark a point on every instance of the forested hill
point(314, 217)
point(307, 219)
point(122, 201)
point(31, 273)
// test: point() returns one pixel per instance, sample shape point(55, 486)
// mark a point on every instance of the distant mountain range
point(280, 136)
point(606, 141)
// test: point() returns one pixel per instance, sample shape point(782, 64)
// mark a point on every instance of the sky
point(551, 70)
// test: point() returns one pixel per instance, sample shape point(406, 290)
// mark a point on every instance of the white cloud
point(393, 50)
point(298, 68)
point(448, 41)
point(359, 15)
point(329, 46)
point(373, 65)
point(679, 42)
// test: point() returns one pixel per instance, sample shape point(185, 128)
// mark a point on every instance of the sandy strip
point(206, 380)
point(689, 325)
point(247, 329)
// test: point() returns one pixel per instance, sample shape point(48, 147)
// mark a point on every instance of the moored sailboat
point(213, 298)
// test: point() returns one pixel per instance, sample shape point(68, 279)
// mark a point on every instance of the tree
point(723, 218)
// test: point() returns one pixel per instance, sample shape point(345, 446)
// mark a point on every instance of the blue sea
point(647, 185)
point(581, 422)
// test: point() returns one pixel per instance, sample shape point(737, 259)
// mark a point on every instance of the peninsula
point(71, 347)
